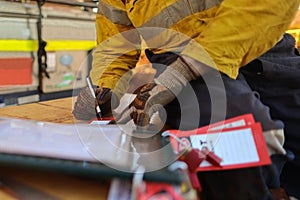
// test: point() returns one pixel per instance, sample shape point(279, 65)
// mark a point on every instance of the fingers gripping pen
point(98, 110)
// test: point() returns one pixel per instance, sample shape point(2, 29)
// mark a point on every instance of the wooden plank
point(57, 111)
point(65, 103)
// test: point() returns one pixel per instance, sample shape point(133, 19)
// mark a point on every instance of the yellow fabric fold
point(242, 30)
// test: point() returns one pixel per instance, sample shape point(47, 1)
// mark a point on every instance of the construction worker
point(198, 49)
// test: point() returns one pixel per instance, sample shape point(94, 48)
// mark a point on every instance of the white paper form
point(234, 147)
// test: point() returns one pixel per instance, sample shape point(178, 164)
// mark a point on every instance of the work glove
point(84, 108)
point(148, 100)
point(153, 96)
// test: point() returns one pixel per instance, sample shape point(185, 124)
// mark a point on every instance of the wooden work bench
point(56, 185)
point(57, 111)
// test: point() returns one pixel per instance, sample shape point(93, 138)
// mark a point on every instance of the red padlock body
point(193, 158)
point(211, 157)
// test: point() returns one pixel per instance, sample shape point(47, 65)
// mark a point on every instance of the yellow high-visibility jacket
point(232, 32)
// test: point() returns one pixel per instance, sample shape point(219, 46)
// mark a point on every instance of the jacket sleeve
point(117, 44)
point(240, 31)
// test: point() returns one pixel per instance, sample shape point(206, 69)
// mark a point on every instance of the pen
point(98, 110)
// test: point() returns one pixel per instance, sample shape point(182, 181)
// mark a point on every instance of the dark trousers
point(276, 77)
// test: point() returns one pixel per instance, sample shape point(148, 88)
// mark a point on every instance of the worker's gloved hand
point(84, 108)
point(152, 96)
point(107, 100)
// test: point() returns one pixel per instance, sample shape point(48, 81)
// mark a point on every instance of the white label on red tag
point(234, 147)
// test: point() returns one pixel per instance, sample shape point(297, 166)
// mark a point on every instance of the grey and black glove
point(84, 108)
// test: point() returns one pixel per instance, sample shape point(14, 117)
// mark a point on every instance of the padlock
point(192, 157)
point(211, 157)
